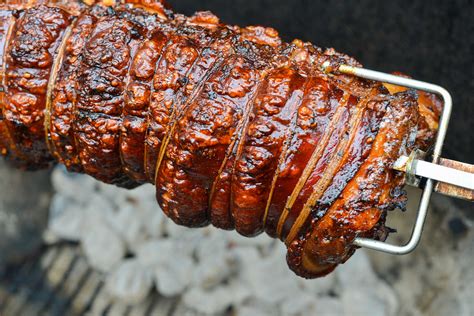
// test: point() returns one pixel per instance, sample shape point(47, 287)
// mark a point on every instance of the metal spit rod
point(436, 172)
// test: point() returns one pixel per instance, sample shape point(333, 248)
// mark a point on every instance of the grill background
point(431, 42)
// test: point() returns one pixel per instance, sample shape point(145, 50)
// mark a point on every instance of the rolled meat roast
point(234, 127)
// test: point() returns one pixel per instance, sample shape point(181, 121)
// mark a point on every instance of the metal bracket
point(428, 188)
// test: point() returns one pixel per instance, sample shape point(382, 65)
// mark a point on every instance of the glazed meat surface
point(234, 127)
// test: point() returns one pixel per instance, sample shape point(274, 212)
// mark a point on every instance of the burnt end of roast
point(233, 126)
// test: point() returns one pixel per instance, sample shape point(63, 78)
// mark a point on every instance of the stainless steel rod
point(444, 174)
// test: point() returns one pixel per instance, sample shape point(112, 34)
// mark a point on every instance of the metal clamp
point(428, 188)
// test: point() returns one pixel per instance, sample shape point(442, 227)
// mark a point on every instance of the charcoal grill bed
point(59, 281)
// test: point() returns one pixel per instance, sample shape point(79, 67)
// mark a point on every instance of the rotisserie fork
point(441, 175)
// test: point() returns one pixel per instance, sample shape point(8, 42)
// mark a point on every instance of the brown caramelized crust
point(233, 126)
point(102, 80)
point(7, 144)
point(137, 101)
point(320, 110)
point(188, 61)
point(177, 74)
point(64, 95)
point(348, 128)
point(209, 60)
point(201, 139)
point(177, 59)
point(430, 107)
point(273, 117)
point(374, 189)
point(36, 36)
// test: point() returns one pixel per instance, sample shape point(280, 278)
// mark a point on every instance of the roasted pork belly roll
point(234, 127)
